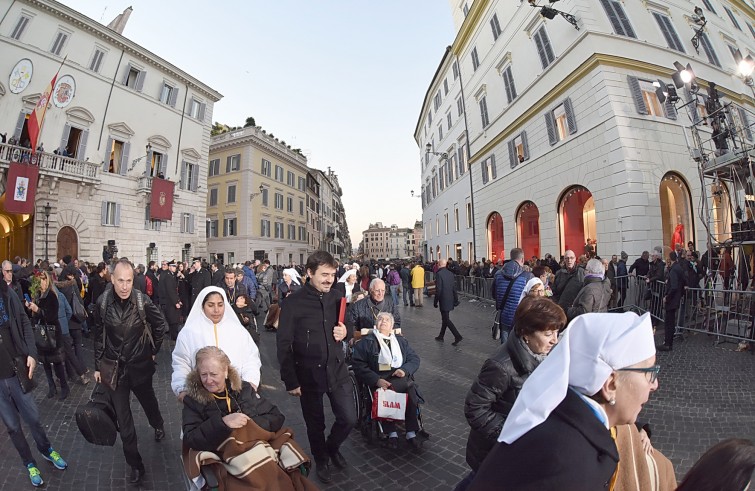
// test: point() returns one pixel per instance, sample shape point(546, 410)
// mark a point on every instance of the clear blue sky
point(342, 80)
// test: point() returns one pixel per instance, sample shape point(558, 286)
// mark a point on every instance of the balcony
point(52, 165)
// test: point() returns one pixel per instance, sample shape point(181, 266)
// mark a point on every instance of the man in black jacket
point(152, 275)
point(199, 279)
point(169, 300)
point(677, 280)
point(312, 362)
point(446, 297)
point(363, 314)
point(129, 328)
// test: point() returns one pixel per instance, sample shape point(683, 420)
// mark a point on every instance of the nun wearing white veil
point(212, 322)
point(558, 435)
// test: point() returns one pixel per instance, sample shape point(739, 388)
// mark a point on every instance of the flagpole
point(49, 96)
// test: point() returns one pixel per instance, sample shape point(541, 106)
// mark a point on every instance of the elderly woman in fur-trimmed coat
point(239, 434)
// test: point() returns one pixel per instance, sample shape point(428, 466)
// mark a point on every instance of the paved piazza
point(706, 394)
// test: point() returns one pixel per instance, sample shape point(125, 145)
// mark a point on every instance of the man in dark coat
point(507, 288)
point(151, 274)
point(363, 314)
point(568, 282)
point(640, 265)
point(446, 298)
point(121, 334)
point(217, 275)
point(140, 281)
point(312, 362)
point(170, 303)
point(406, 284)
point(677, 280)
point(233, 289)
point(199, 279)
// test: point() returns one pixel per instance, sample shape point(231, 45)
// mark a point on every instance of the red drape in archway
point(529, 231)
point(573, 216)
point(495, 232)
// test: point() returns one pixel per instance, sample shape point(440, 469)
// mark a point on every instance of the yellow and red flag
point(34, 124)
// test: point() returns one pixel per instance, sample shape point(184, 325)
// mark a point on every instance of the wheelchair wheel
point(357, 396)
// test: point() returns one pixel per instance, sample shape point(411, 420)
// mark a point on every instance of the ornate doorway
point(68, 243)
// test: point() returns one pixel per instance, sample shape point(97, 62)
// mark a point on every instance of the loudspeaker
point(187, 246)
point(151, 245)
point(111, 242)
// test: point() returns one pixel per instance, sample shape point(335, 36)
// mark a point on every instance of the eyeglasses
point(7, 271)
point(653, 371)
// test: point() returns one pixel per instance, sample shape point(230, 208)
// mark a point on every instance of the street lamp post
point(47, 211)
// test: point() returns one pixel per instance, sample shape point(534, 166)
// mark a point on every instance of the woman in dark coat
point(44, 310)
point(184, 290)
point(376, 370)
point(537, 322)
point(288, 286)
point(97, 283)
point(219, 401)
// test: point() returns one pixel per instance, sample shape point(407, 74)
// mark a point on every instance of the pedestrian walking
point(418, 283)
point(446, 298)
point(312, 362)
point(128, 333)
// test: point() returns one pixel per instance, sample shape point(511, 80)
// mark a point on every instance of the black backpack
point(96, 419)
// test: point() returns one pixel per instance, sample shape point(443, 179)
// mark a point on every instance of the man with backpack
point(508, 285)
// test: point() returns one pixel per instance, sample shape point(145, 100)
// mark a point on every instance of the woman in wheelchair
point(383, 360)
point(224, 415)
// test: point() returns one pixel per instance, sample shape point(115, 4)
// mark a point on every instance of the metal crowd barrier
point(723, 313)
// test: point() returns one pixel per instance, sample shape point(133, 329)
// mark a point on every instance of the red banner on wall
point(161, 205)
point(20, 188)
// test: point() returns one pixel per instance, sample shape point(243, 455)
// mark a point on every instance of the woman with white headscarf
point(558, 435)
point(534, 288)
point(291, 282)
point(212, 322)
point(349, 286)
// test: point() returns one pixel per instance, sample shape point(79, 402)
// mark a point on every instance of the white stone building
point(568, 139)
point(125, 99)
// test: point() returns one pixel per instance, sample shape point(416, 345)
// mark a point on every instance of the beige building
point(333, 231)
point(101, 190)
point(257, 199)
point(379, 242)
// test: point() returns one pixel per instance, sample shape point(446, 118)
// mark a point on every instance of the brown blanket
point(637, 470)
point(254, 459)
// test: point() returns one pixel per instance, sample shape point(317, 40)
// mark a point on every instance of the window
point(290, 204)
point(745, 122)
point(231, 193)
point(233, 163)
point(475, 59)
point(150, 224)
point(278, 201)
point(59, 43)
point(264, 228)
point(733, 51)
point(118, 161)
point(134, 78)
point(214, 168)
point(455, 69)
point(229, 227)
point(302, 184)
point(469, 215)
point(448, 121)
point(18, 31)
point(462, 153)
point(460, 106)
point(197, 109)
point(111, 214)
point(168, 95)
point(615, 11)
point(708, 6)
point(266, 168)
point(445, 219)
point(518, 149)
point(731, 16)
point(97, 58)
point(437, 101)
point(495, 26)
point(646, 101)
point(279, 230)
point(667, 28)
point(187, 223)
point(560, 122)
point(265, 193)
point(508, 84)
point(456, 219)
point(291, 232)
point(440, 131)
point(290, 179)
point(214, 197)
point(709, 52)
point(303, 234)
point(484, 112)
point(301, 207)
point(279, 173)
point(211, 230)
point(489, 172)
point(465, 9)
point(544, 48)
point(442, 177)
point(189, 177)
point(445, 86)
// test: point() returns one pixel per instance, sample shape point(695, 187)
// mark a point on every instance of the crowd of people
point(564, 388)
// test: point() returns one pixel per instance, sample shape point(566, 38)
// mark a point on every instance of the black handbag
point(109, 372)
point(22, 374)
point(44, 337)
point(96, 419)
point(77, 306)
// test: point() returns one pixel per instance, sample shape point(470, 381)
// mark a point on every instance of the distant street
point(705, 395)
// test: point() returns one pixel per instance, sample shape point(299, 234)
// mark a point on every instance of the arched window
point(528, 229)
point(576, 214)
point(495, 237)
point(676, 212)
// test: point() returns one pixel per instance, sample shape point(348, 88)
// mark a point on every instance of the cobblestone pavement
point(706, 394)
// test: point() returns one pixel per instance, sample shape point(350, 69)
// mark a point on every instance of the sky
point(344, 80)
